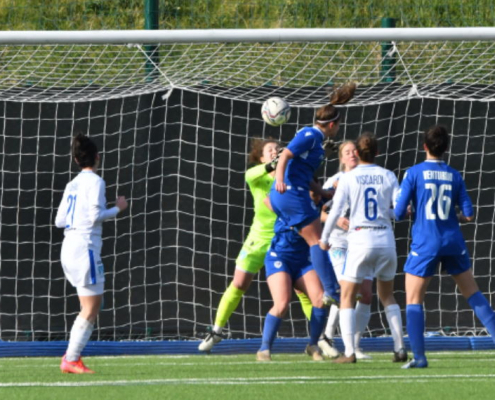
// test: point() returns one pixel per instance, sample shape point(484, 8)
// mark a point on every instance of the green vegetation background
point(196, 14)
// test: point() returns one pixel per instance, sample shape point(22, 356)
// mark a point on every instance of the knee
point(366, 297)
point(317, 299)
point(318, 303)
point(241, 283)
point(388, 300)
point(90, 312)
point(279, 309)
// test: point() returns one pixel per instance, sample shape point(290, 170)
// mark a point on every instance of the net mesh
point(180, 157)
point(301, 72)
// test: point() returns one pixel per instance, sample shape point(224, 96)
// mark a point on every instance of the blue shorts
point(294, 207)
point(426, 266)
point(295, 266)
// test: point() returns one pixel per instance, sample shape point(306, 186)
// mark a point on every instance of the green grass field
point(451, 375)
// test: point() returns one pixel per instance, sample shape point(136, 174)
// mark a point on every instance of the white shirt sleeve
point(339, 205)
point(395, 193)
point(60, 219)
point(97, 203)
point(395, 188)
point(328, 185)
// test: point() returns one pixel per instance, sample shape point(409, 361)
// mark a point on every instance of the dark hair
point(341, 95)
point(84, 151)
point(437, 140)
point(257, 146)
point(367, 147)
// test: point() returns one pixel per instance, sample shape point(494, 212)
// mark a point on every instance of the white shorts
point(91, 290)
point(337, 257)
point(380, 262)
point(81, 261)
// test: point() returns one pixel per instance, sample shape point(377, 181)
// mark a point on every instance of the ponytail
point(338, 96)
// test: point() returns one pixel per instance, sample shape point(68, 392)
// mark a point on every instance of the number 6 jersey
point(435, 189)
point(369, 190)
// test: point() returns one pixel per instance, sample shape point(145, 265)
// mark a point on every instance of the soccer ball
point(275, 111)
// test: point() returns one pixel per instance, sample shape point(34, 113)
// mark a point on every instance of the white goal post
point(173, 113)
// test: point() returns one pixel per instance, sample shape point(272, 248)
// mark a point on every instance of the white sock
point(217, 329)
point(332, 321)
point(363, 314)
point(79, 335)
point(348, 329)
point(394, 319)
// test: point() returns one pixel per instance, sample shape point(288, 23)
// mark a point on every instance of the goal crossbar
point(246, 35)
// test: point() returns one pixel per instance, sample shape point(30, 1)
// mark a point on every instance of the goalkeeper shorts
point(252, 255)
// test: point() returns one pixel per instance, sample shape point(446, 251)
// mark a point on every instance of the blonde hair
point(341, 149)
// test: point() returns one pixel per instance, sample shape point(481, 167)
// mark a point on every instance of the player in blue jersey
point(435, 189)
point(294, 178)
point(288, 266)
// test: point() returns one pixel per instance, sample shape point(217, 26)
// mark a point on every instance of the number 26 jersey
point(435, 189)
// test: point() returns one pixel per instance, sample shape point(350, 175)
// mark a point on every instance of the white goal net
point(173, 119)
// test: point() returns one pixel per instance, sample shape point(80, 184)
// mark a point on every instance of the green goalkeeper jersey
point(260, 183)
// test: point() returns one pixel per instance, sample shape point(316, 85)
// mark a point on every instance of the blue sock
point(416, 330)
point(483, 311)
point(322, 266)
point(270, 329)
point(317, 324)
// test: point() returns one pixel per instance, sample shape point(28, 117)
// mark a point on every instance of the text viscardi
point(369, 179)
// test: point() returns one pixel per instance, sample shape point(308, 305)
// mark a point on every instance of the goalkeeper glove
point(272, 165)
point(330, 145)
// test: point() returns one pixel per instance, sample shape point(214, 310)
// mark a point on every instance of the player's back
point(308, 155)
point(370, 192)
point(81, 197)
point(435, 190)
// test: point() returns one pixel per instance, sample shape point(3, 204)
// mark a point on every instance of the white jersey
point(83, 207)
point(338, 236)
point(369, 190)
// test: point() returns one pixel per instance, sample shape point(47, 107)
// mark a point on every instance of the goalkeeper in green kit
point(252, 255)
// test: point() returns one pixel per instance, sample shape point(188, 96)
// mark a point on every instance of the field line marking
point(261, 380)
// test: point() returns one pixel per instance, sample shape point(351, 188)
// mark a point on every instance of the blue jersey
point(308, 154)
point(435, 189)
point(287, 241)
point(288, 253)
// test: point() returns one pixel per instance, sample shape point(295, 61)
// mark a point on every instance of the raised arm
point(464, 203)
point(97, 204)
point(403, 198)
point(254, 173)
point(339, 204)
point(60, 219)
point(285, 157)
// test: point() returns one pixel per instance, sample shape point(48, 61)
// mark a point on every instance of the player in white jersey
point(369, 191)
point(81, 213)
point(338, 249)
